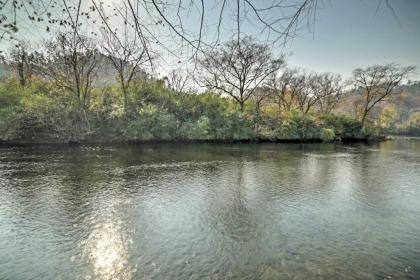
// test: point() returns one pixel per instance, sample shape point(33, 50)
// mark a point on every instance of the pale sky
point(348, 34)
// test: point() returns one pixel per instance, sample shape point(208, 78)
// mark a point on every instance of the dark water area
point(211, 211)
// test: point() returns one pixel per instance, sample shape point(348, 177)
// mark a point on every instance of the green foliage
point(388, 118)
point(151, 123)
point(410, 127)
point(44, 112)
point(29, 113)
point(199, 130)
point(329, 127)
point(9, 107)
point(8, 123)
point(327, 134)
point(344, 126)
point(298, 126)
point(233, 126)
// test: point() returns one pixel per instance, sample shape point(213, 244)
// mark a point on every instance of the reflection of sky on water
point(211, 211)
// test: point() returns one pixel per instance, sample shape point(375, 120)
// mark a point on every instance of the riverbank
point(198, 141)
point(44, 114)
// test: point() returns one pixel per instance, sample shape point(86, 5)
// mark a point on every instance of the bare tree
point(166, 22)
point(261, 95)
point(21, 59)
point(330, 91)
point(275, 20)
point(282, 88)
point(178, 80)
point(302, 92)
point(71, 62)
point(375, 83)
point(296, 89)
point(126, 55)
point(238, 68)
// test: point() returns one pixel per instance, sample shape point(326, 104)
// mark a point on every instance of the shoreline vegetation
point(196, 141)
point(44, 114)
point(37, 114)
point(64, 95)
point(8, 143)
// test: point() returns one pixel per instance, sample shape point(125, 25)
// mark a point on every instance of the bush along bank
point(45, 113)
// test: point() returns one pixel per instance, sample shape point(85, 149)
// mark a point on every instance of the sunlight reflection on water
point(267, 211)
point(106, 249)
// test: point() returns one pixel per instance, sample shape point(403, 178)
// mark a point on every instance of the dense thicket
point(57, 96)
point(43, 112)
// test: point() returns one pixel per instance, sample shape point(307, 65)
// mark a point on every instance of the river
point(210, 211)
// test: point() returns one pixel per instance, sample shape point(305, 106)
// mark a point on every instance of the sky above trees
point(350, 34)
point(337, 36)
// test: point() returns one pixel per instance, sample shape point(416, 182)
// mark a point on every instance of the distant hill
point(407, 102)
point(399, 114)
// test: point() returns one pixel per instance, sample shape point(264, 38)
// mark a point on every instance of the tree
point(178, 80)
point(375, 83)
point(275, 20)
point(330, 91)
point(21, 59)
point(261, 94)
point(305, 92)
point(125, 52)
point(71, 61)
point(282, 89)
point(238, 67)
point(321, 90)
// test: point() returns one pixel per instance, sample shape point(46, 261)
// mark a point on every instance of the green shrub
point(199, 130)
point(152, 123)
point(344, 126)
point(45, 111)
point(297, 126)
point(410, 127)
point(233, 126)
point(327, 134)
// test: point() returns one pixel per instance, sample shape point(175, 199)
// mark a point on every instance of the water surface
point(211, 211)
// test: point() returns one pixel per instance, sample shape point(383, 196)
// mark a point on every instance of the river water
point(210, 211)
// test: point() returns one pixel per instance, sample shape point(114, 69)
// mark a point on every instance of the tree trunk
point(124, 89)
point(241, 106)
point(257, 118)
point(364, 118)
point(21, 76)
